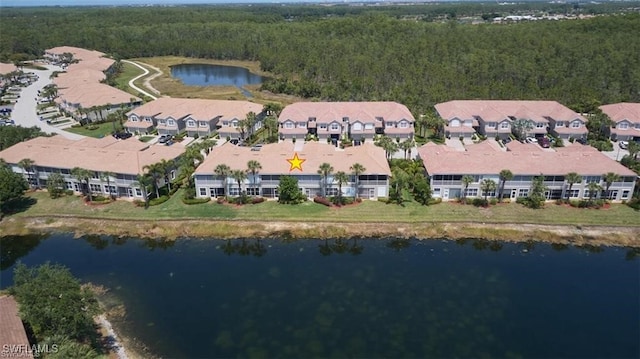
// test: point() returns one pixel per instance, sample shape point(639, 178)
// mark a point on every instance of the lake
point(357, 298)
point(215, 75)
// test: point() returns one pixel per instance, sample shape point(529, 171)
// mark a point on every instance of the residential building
point(274, 159)
point(359, 121)
point(626, 117)
point(446, 166)
point(81, 91)
point(193, 116)
point(126, 159)
point(494, 118)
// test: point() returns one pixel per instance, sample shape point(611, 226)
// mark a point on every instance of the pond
point(357, 298)
point(215, 75)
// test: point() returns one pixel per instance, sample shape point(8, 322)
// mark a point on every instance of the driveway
point(455, 144)
point(24, 111)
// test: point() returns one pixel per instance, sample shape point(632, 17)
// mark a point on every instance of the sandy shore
point(174, 229)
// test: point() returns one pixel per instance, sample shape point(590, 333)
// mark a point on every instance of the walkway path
point(145, 73)
point(24, 111)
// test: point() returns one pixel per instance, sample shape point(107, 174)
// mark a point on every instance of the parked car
point(122, 135)
point(164, 138)
point(623, 144)
point(531, 140)
point(582, 141)
point(544, 142)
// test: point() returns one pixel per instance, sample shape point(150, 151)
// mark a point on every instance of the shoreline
point(626, 236)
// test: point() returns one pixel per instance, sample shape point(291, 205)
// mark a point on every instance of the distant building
point(358, 121)
point(626, 117)
point(193, 116)
point(494, 118)
point(80, 89)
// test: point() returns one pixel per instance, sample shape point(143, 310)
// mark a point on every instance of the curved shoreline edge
point(627, 236)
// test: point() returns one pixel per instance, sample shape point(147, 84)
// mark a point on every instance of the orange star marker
point(296, 162)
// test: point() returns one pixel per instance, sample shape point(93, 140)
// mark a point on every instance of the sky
point(133, 2)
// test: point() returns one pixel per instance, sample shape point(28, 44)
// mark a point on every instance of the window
point(335, 127)
point(345, 119)
point(585, 194)
point(172, 174)
point(540, 124)
point(523, 192)
point(332, 192)
point(559, 123)
point(288, 125)
point(368, 126)
point(612, 194)
point(95, 187)
point(436, 191)
point(133, 119)
point(203, 124)
point(148, 119)
point(623, 126)
point(504, 125)
point(191, 123)
point(404, 124)
point(312, 119)
point(356, 126)
point(591, 179)
point(203, 191)
point(625, 194)
point(471, 192)
point(637, 126)
point(323, 126)
point(454, 123)
point(575, 124)
point(253, 191)
point(234, 123)
point(171, 123)
point(491, 124)
point(574, 193)
point(69, 185)
point(302, 124)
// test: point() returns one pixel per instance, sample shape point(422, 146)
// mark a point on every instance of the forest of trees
point(365, 53)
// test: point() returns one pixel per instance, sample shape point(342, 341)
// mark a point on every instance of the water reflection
point(13, 248)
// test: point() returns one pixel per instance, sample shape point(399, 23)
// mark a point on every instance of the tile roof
point(198, 109)
point(273, 158)
point(326, 112)
point(499, 110)
point(622, 111)
point(521, 159)
point(106, 154)
point(12, 332)
point(81, 82)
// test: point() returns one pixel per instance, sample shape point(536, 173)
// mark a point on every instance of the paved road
point(145, 73)
point(24, 111)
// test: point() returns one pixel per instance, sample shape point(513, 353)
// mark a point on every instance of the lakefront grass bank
point(615, 225)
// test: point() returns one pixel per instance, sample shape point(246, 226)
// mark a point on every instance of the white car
point(531, 140)
point(623, 144)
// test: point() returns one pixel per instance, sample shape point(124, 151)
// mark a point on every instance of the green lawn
point(146, 138)
point(128, 73)
point(103, 129)
point(367, 211)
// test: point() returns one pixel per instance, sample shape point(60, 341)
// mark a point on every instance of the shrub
point(522, 200)
point(602, 145)
point(480, 202)
point(195, 200)
point(221, 200)
point(138, 203)
point(256, 200)
point(634, 203)
point(69, 192)
point(159, 200)
point(322, 200)
point(435, 201)
point(493, 201)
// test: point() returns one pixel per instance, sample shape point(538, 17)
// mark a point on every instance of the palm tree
point(144, 181)
point(388, 144)
point(239, 176)
point(572, 178)
point(357, 169)
point(341, 178)
point(26, 164)
point(106, 176)
point(505, 175)
point(487, 185)
point(609, 178)
point(83, 175)
point(324, 171)
point(156, 172)
point(167, 166)
point(466, 181)
point(594, 188)
point(406, 146)
point(223, 172)
point(206, 145)
point(254, 167)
